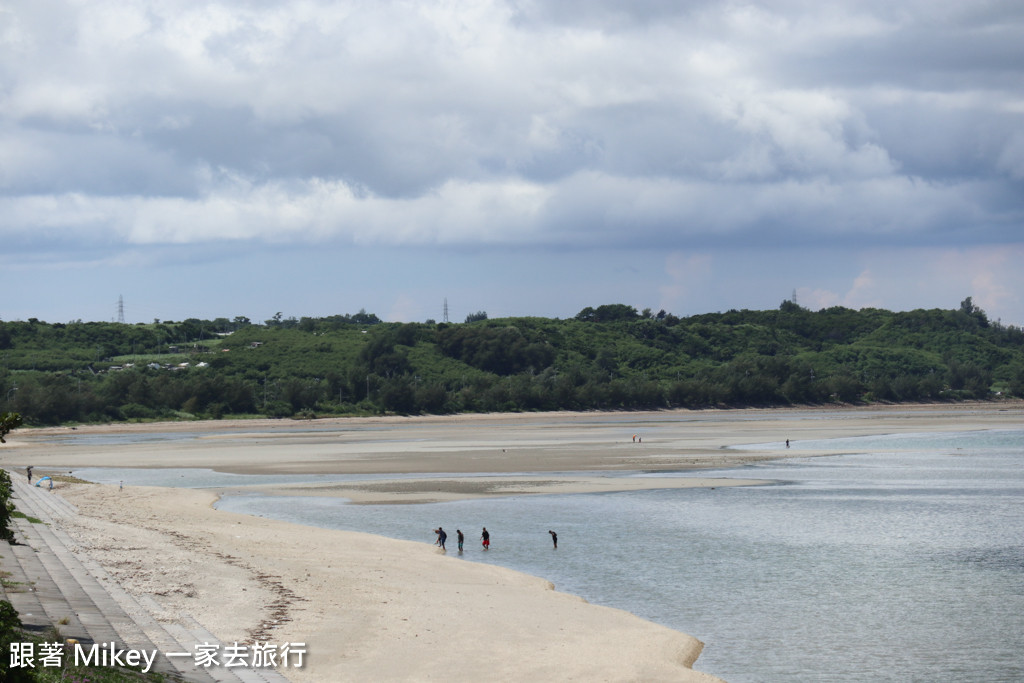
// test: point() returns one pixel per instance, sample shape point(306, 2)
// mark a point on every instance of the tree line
point(612, 357)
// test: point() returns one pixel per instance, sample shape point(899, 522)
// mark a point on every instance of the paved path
point(51, 586)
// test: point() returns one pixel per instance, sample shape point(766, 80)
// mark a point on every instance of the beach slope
point(367, 608)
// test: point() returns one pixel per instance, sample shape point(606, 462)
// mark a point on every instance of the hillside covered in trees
point(607, 358)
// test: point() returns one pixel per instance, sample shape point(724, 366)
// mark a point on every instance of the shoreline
point(366, 607)
point(229, 424)
point(495, 443)
point(375, 608)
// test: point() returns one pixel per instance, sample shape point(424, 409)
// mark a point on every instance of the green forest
point(612, 357)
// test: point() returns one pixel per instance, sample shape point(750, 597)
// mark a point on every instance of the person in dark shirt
point(554, 538)
point(486, 536)
point(460, 537)
point(441, 537)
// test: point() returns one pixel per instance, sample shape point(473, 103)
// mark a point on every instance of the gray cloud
point(570, 124)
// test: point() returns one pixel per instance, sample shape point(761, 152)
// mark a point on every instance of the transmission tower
point(120, 308)
point(794, 296)
point(446, 309)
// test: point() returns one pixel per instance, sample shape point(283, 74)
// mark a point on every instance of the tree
point(608, 313)
point(6, 507)
point(474, 317)
point(364, 318)
point(11, 633)
point(968, 308)
point(8, 423)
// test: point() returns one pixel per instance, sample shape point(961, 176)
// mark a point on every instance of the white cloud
point(909, 278)
point(688, 275)
point(585, 208)
point(686, 127)
point(863, 292)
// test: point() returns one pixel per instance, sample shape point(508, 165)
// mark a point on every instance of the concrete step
point(20, 590)
point(83, 592)
point(65, 585)
point(60, 613)
point(66, 591)
point(41, 499)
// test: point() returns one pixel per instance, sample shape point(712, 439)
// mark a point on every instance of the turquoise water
point(902, 564)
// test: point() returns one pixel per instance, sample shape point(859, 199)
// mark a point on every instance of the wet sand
point(381, 609)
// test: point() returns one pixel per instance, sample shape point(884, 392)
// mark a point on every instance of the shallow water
point(906, 564)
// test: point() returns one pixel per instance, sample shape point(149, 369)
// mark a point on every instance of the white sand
point(370, 608)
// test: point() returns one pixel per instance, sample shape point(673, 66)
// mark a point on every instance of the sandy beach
point(370, 608)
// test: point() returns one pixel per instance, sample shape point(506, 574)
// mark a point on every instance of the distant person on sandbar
point(787, 443)
point(441, 537)
point(461, 538)
point(554, 538)
point(486, 536)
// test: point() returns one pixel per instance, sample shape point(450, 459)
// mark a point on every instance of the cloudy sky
point(522, 157)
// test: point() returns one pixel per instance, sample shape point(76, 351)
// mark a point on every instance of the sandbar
point(370, 608)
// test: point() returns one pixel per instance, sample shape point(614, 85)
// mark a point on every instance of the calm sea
point(903, 563)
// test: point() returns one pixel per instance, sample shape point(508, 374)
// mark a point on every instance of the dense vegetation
point(609, 357)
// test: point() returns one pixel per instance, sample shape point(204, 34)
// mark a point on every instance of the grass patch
point(69, 479)
point(13, 586)
point(21, 515)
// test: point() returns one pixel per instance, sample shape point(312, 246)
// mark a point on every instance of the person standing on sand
point(441, 537)
point(461, 538)
point(29, 471)
point(487, 539)
point(554, 538)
